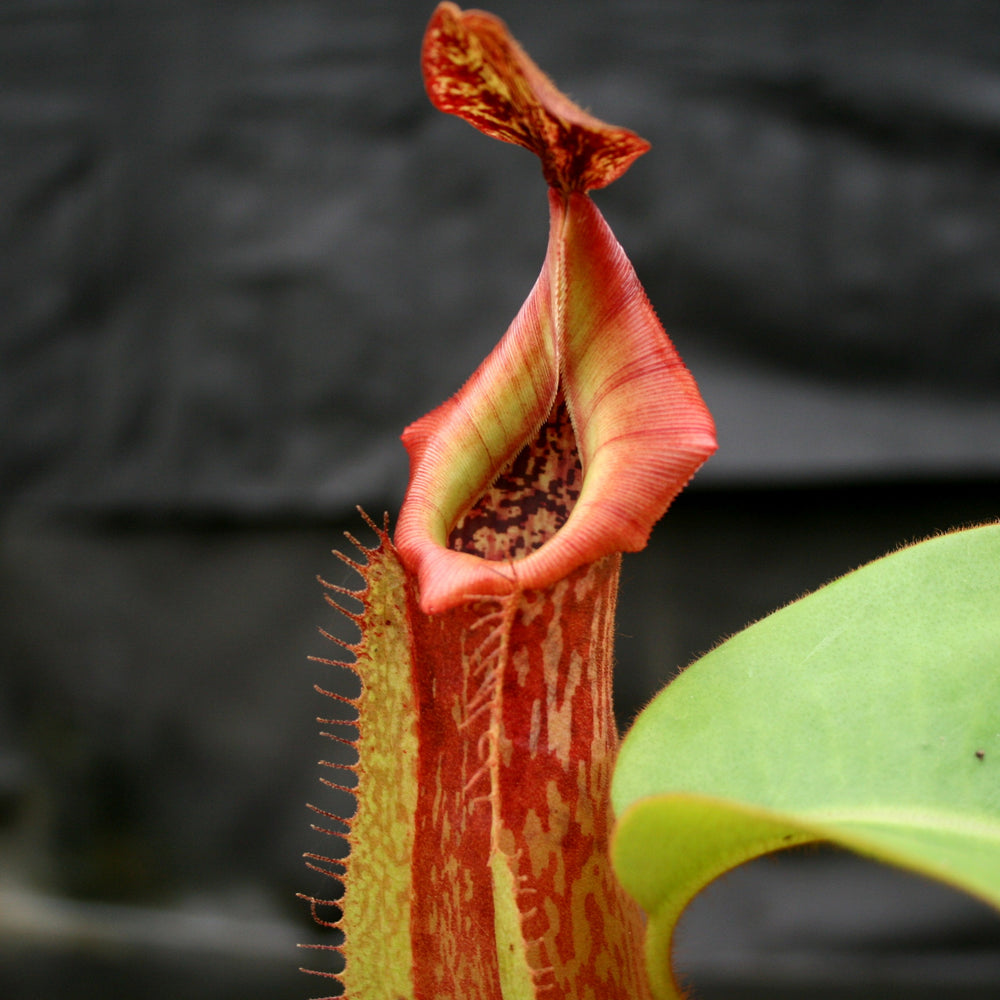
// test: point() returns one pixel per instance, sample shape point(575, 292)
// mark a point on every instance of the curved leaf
point(867, 714)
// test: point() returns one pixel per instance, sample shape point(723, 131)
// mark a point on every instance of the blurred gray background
point(241, 251)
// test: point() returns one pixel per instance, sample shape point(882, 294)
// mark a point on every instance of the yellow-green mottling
point(381, 837)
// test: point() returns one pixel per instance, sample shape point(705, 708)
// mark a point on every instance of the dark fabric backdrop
point(243, 250)
point(240, 251)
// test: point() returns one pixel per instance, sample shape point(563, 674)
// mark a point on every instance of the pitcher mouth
point(530, 500)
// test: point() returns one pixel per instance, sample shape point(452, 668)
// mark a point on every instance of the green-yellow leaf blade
point(867, 714)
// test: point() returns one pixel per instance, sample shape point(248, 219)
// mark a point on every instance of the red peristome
point(473, 68)
point(459, 449)
point(587, 333)
point(641, 425)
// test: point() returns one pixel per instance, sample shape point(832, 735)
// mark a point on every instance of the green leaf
point(866, 714)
